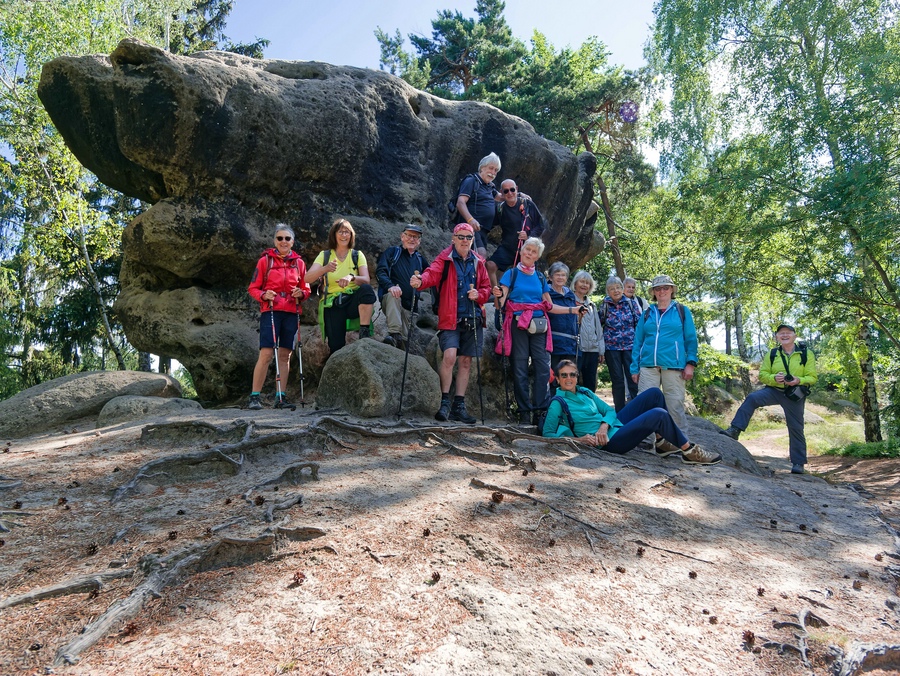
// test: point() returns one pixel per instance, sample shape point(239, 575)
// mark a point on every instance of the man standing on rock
point(463, 287)
point(395, 268)
point(519, 219)
point(787, 372)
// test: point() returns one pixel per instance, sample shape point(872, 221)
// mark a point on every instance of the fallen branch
point(77, 585)
point(478, 483)
point(670, 551)
point(161, 573)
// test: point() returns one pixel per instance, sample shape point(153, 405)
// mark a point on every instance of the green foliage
point(714, 368)
point(188, 391)
point(881, 449)
point(60, 229)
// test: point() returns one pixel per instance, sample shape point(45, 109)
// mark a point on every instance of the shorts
point(285, 329)
point(503, 259)
point(480, 242)
point(463, 339)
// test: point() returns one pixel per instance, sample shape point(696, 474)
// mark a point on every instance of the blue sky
point(341, 31)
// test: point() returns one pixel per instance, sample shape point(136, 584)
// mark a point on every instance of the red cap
point(463, 226)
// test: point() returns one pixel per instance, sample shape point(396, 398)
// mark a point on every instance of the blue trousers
point(793, 414)
point(644, 415)
point(587, 365)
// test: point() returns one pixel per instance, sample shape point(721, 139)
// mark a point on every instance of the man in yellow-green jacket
point(787, 372)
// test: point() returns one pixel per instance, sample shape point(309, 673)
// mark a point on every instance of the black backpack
point(803, 355)
point(451, 205)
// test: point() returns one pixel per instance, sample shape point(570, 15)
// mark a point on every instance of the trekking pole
point(279, 403)
point(409, 334)
point(300, 359)
point(477, 354)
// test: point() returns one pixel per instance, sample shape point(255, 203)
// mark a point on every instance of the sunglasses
point(508, 190)
point(284, 239)
point(568, 375)
point(465, 237)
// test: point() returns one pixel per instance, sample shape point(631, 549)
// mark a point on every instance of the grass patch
point(860, 449)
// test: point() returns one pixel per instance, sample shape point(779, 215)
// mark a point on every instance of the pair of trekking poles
point(409, 335)
point(279, 395)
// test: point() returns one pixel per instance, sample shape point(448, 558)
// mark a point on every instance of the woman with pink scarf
point(525, 298)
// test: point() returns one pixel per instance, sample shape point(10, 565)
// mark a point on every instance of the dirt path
point(601, 564)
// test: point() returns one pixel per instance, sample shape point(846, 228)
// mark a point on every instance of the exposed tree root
point(161, 573)
point(862, 657)
point(196, 429)
point(77, 585)
point(488, 458)
point(8, 483)
point(478, 483)
point(670, 551)
point(280, 506)
point(293, 475)
point(180, 464)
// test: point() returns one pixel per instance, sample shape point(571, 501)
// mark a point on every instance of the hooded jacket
point(281, 275)
point(661, 340)
point(447, 319)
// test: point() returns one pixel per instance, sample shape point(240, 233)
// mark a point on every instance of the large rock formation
point(225, 146)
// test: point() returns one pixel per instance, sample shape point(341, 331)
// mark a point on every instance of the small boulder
point(846, 406)
point(776, 414)
point(130, 407)
point(364, 378)
point(702, 431)
point(58, 401)
point(718, 400)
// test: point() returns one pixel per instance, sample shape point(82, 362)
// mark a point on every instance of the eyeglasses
point(508, 190)
point(568, 375)
point(284, 239)
point(465, 237)
point(412, 235)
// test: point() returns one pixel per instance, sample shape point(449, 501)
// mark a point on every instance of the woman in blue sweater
point(594, 422)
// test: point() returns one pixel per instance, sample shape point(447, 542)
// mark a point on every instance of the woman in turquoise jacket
point(665, 348)
point(577, 412)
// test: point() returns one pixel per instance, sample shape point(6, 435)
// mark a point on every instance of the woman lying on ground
point(596, 423)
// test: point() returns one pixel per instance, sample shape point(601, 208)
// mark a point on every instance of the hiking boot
point(797, 469)
point(282, 401)
point(365, 331)
point(664, 448)
point(398, 341)
point(697, 456)
point(254, 404)
point(444, 411)
point(459, 413)
point(732, 432)
point(389, 341)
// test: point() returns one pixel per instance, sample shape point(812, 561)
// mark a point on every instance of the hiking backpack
point(321, 284)
point(803, 354)
point(451, 205)
point(542, 416)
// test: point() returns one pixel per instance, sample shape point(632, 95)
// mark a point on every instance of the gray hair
point(491, 158)
point(281, 227)
point(613, 280)
point(582, 275)
point(630, 279)
point(535, 242)
point(558, 266)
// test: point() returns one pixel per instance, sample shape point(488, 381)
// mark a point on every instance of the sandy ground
point(606, 564)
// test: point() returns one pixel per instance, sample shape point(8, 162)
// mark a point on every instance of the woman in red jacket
point(279, 288)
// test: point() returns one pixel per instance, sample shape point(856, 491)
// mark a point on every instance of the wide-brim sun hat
point(662, 280)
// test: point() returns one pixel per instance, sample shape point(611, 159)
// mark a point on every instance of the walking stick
point(475, 323)
point(300, 359)
point(409, 334)
point(279, 399)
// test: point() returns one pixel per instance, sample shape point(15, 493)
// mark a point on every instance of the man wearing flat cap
point(395, 267)
point(787, 372)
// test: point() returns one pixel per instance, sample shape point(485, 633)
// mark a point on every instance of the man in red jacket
point(463, 287)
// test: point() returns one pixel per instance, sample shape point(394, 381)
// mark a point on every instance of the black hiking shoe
point(444, 411)
point(732, 432)
point(365, 331)
point(398, 341)
point(254, 404)
point(459, 413)
point(282, 402)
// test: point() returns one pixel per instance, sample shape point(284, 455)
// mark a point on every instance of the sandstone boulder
point(225, 146)
point(776, 414)
point(131, 407)
point(364, 378)
point(702, 431)
point(58, 401)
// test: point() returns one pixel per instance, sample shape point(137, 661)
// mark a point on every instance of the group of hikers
point(554, 332)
